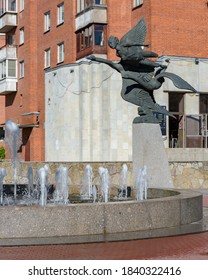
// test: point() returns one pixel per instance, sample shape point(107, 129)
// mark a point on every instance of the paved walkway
point(191, 246)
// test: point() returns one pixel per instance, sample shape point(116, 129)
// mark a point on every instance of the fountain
point(3, 173)
point(61, 192)
point(86, 189)
point(12, 139)
point(154, 203)
point(104, 176)
point(30, 181)
point(123, 192)
point(141, 184)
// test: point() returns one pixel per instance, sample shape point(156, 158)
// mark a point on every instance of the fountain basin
point(172, 208)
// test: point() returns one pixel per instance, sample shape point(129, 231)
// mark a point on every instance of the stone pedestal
point(149, 150)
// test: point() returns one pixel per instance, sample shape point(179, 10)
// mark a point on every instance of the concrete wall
point(86, 118)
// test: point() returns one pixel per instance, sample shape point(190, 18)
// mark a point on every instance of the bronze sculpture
point(140, 75)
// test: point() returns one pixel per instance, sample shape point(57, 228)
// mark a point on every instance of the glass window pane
point(61, 13)
point(61, 52)
point(47, 21)
point(22, 70)
point(12, 5)
point(47, 58)
point(99, 35)
point(11, 68)
point(203, 103)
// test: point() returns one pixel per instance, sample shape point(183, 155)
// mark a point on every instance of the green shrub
point(2, 153)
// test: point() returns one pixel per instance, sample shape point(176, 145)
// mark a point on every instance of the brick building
point(47, 41)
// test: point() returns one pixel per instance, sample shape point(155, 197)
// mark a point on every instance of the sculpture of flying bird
point(140, 75)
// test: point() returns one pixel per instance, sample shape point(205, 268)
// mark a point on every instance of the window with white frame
point(11, 68)
point(8, 69)
point(47, 57)
point(47, 21)
point(8, 6)
point(22, 5)
point(22, 36)
point(22, 69)
point(137, 3)
point(60, 13)
point(2, 70)
point(60, 52)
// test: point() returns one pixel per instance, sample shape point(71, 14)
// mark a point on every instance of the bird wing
point(177, 81)
point(135, 36)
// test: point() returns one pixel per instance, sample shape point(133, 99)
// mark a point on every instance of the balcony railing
point(8, 52)
point(8, 15)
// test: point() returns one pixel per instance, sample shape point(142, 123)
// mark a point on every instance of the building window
point(2, 133)
point(12, 68)
point(203, 103)
point(47, 19)
point(8, 69)
point(60, 52)
point(10, 39)
point(91, 40)
point(22, 36)
point(84, 4)
point(60, 13)
point(137, 3)
point(8, 6)
point(22, 5)
point(22, 69)
point(47, 58)
point(3, 69)
point(99, 35)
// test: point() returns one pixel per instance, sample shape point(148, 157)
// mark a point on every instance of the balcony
point(8, 52)
point(93, 11)
point(8, 85)
point(8, 70)
point(8, 15)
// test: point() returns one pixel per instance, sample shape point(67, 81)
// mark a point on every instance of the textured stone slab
point(149, 150)
point(170, 210)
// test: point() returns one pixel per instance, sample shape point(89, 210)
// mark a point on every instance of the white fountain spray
point(3, 173)
point(61, 192)
point(94, 193)
point(104, 175)
point(42, 188)
point(86, 189)
point(12, 139)
point(123, 181)
point(141, 184)
point(30, 181)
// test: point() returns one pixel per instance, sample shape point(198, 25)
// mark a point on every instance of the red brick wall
point(177, 27)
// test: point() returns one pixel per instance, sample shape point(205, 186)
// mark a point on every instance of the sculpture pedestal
point(149, 150)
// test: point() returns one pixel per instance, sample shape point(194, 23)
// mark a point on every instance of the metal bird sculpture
point(140, 75)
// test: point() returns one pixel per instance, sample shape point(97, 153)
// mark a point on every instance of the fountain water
point(30, 181)
point(141, 184)
point(86, 189)
point(3, 173)
point(123, 181)
point(104, 175)
point(12, 139)
point(41, 186)
point(61, 192)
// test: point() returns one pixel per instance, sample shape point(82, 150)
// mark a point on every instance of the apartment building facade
point(71, 109)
